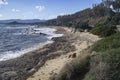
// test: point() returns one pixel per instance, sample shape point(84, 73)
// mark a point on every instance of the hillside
point(103, 59)
point(88, 15)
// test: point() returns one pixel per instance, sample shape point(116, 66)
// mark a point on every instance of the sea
point(16, 40)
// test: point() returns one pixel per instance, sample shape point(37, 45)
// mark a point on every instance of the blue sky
point(41, 9)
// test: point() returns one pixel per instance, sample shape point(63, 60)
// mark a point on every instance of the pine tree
point(107, 3)
point(116, 5)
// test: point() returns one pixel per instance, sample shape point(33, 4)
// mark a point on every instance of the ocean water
point(16, 40)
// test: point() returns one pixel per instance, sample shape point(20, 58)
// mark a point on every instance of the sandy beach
point(79, 41)
point(48, 60)
point(22, 67)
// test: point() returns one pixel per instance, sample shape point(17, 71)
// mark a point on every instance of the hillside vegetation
point(88, 15)
point(103, 58)
point(99, 14)
point(103, 30)
point(105, 65)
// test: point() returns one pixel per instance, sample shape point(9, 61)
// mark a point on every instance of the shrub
point(108, 43)
point(82, 26)
point(103, 30)
point(74, 70)
point(114, 20)
point(105, 66)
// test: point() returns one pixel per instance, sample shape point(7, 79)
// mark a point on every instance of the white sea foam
point(49, 31)
point(15, 27)
point(14, 54)
point(50, 34)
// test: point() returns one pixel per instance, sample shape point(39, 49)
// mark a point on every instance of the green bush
point(103, 30)
point(114, 20)
point(108, 43)
point(105, 66)
point(82, 26)
point(113, 59)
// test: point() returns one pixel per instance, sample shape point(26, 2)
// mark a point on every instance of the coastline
point(48, 60)
point(22, 67)
point(53, 67)
point(34, 37)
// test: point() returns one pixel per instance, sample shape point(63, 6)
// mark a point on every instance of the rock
point(93, 53)
point(10, 75)
point(69, 56)
point(43, 34)
point(73, 55)
point(32, 70)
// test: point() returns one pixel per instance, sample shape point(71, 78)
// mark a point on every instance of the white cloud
point(40, 8)
point(15, 10)
point(3, 2)
point(1, 15)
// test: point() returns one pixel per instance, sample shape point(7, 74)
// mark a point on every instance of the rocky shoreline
point(22, 67)
point(68, 48)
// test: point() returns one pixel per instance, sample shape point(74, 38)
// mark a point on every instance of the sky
point(41, 9)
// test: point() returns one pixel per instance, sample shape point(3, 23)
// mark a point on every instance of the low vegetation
point(74, 70)
point(103, 30)
point(108, 43)
point(82, 26)
point(113, 20)
point(105, 66)
point(104, 63)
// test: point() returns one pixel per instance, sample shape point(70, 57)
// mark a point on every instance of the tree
point(116, 5)
point(100, 10)
point(107, 3)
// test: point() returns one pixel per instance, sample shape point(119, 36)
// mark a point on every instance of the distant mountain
point(22, 21)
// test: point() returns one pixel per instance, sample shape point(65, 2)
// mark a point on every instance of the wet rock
point(10, 75)
point(73, 55)
point(69, 56)
point(43, 34)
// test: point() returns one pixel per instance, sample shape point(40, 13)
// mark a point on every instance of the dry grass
point(76, 69)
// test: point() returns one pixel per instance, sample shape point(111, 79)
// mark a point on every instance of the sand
point(80, 40)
